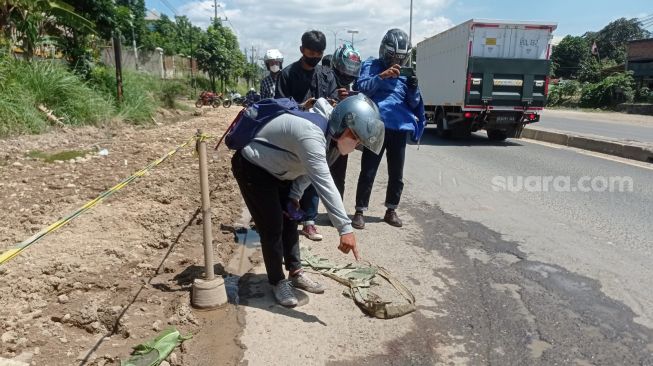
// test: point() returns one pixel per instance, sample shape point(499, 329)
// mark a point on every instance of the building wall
point(638, 50)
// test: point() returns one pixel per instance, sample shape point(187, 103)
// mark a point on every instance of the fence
point(152, 62)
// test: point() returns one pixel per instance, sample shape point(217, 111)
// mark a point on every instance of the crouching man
point(288, 154)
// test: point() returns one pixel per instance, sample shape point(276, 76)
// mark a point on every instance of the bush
point(170, 90)
point(563, 93)
point(142, 93)
point(643, 94)
point(26, 86)
point(609, 92)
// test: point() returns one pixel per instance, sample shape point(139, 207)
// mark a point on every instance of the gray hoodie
point(299, 153)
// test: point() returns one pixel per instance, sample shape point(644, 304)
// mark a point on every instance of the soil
point(122, 272)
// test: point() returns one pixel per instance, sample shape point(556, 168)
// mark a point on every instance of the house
point(639, 60)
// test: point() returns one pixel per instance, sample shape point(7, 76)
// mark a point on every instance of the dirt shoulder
point(119, 274)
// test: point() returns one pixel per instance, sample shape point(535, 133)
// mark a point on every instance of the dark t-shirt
point(300, 84)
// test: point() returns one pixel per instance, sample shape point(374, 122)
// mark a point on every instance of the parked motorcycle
point(209, 98)
point(232, 98)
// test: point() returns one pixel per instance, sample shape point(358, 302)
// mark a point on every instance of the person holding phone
point(303, 80)
point(346, 65)
point(402, 111)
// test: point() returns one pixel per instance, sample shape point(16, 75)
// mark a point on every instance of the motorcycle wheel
point(226, 103)
point(215, 103)
point(199, 103)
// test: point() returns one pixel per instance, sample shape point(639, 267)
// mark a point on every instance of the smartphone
point(407, 71)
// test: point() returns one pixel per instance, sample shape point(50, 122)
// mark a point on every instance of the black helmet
point(395, 47)
point(360, 114)
point(326, 60)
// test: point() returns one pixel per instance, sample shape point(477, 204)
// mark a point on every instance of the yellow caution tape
point(18, 248)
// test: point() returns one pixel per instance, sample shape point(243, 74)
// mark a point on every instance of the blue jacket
point(401, 107)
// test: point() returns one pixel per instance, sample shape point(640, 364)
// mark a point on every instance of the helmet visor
point(370, 134)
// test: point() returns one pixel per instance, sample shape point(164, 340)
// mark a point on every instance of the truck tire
point(496, 135)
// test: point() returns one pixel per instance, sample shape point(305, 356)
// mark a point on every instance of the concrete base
point(208, 294)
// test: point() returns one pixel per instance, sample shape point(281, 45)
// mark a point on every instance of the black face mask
point(312, 61)
point(344, 80)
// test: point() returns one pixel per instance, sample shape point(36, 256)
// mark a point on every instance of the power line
point(169, 6)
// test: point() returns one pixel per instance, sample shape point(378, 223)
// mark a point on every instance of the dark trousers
point(394, 147)
point(339, 173)
point(266, 197)
point(309, 202)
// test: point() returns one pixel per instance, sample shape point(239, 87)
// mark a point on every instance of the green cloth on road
point(153, 352)
point(359, 279)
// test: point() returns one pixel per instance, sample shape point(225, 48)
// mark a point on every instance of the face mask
point(344, 80)
point(312, 61)
point(347, 144)
point(274, 69)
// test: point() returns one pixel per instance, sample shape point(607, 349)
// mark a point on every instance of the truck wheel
point(496, 135)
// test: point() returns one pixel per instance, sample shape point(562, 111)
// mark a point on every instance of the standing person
point(402, 112)
point(346, 65)
point(287, 154)
point(326, 60)
point(303, 80)
point(273, 60)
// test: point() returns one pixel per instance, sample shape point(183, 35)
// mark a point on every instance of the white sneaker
point(310, 231)
point(283, 293)
point(302, 281)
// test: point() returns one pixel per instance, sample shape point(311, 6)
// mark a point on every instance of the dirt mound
point(122, 272)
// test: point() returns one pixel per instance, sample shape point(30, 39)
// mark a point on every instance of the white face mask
point(274, 69)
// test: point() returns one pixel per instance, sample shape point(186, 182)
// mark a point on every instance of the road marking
point(635, 163)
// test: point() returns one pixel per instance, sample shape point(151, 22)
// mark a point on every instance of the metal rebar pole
point(206, 209)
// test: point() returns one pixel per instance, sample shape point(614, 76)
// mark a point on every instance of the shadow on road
point(431, 138)
point(256, 292)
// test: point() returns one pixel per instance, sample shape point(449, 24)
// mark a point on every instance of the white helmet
point(273, 55)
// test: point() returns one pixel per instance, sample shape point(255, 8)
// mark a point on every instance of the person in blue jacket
point(402, 111)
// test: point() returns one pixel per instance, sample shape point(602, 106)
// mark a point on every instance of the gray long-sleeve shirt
point(302, 160)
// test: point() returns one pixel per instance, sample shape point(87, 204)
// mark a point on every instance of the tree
point(34, 20)
point(219, 55)
point(131, 19)
point(569, 54)
point(78, 44)
point(174, 37)
point(611, 40)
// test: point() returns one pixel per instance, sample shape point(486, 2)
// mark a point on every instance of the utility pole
point(352, 35)
point(252, 55)
point(410, 34)
point(131, 23)
point(215, 14)
point(118, 58)
point(410, 31)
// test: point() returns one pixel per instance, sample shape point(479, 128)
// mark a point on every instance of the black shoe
point(392, 219)
point(358, 222)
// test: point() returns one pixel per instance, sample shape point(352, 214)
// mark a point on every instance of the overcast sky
point(280, 23)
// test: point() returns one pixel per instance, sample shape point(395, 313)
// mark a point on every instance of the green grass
point(26, 86)
point(62, 155)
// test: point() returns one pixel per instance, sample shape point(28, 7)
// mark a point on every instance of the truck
point(485, 74)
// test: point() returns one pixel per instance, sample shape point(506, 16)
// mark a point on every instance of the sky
point(266, 24)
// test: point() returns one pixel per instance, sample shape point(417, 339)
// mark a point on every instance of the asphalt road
point(610, 125)
point(501, 276)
